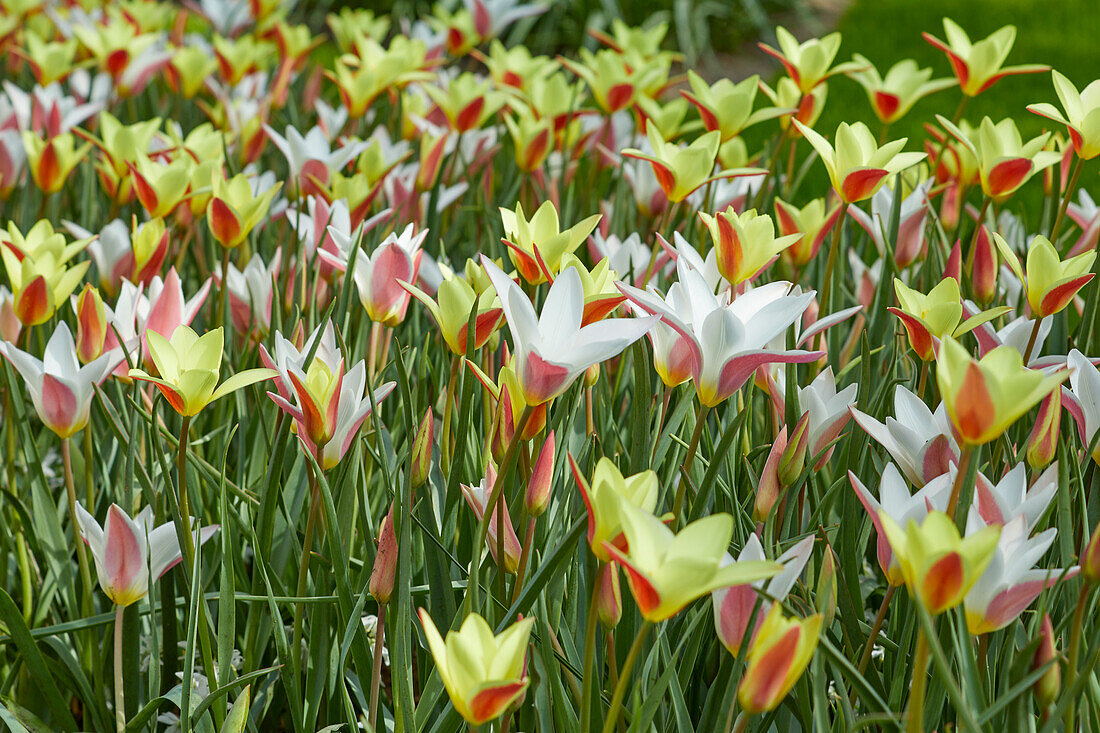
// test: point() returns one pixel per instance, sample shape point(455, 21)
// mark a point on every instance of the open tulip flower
point(1005, 161)
point(984, 397)
point(1010, 582)
point(39, 270)
point(450, 309)
point(378, 275)
point(251, 294)
point(476, 496)
point(733, 606)
point(160, 187)
point(904, 85)
point(812, 223)
point(52, 160)
point(911, 244)
point(980, 64)
point(1082, 114)
point(236, 207)
point(726, 342)
point(779, 654)
point(808, 63)
point(895, 501)
point(1050, 283)
point(601, 296)
point(920, 441)
point(119, 253)
point(928, 318)
point(666, 570)
point(1011, 497)
point(1082, 399)
point(613, 81)
point(537, 245)
point(604, 498)
point(828, 411)
point(939, 566)
point(483, 674)
point(727, 107)
point(60, 388)
point(188, 366)
point(680, 170)
point(553, 349)
point(745, 243)
point(858, 166)
point(131, 552)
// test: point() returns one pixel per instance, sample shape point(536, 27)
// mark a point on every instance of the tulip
point(541, 238)
point(10, 327)
point(667, 571)
point(724, 351)
point(920, 441)
point(161, 187)
point(189, 69)
point(605, 498)
point(828, 412)
point(793, 458)
point(745, 243)
point(613, 81)
point(516, 67)
point(236, 208)
point(601, 296)
point(1042, 444)
point(537, 498)
point(1004, 161)
point(681, 171)
point(467, 101)
point(60, 388)
point(769, 485)
point(384, 571)
point(37, 267)
point(532, 137)
point(727, 107)
point(928, 319)
point(130, 552)
point(807, 63)
point(450, 310)
point(1082, 114)
point(310, 157)
point(1050, 282)
point(476, 496)
point(91, 324)
point(859, 166)
point(910, 244)
point(1049, 685)
point(13, 159)
point(609, 600)
point(422, 450)
point(188, 367)
point(807, 107)
point(904, 85)
point(484, 674)
point(1082, 399)
point(812, 223)
point(984, 397)
point(553, 349)
point(251, 293)
point(978, 65)
point(733, 606)
point(939, 566)
point(52, 160)
point(895, 501)
point(779, 655)
point(983, 276)
point(1009, 583)
point(378, 275)
point(1011, 498)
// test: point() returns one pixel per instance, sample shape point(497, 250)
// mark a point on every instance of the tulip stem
point(120, 704)
point(184, 519)
point(865, 658)
point(376, 670)
point(1066, 196)
point(915, 714)
point(612, 665)
point(448, 409)
point(589, 653)
point(830, 265)
point(1031, 341)
point(693, 447)
point(81, 551)
point(524, 556)
point(960, 478)
point(303, 566)
point(624, 678)
point(1075, 648)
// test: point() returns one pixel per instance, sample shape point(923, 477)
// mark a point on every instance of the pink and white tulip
point(921, 441)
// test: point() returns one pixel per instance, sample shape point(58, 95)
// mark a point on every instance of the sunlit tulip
point(601, 296)
point(733, 606)
point(52, 160)
point(484, 674)
point(778, 656)
point(60, 388)
point(310, 156)
point(129, 553)
point(939, 566)
point(680, 170)
point(532, 137)
point(188, 70)
point(541, 238)
point(726, 342)
point(236, 208)
point(745, 243)
point(929, 318)
point(451, 308)
point(812, 223)
point(979, 64)
point(1042, 443)
point(666, 570)
point(787, 95)
point(613, 81)
point(553, 349)
point(466, 101)
point(378, 275)
point(161, 187)
point(1082, 114)
point(1012, 497)
point(13, 161)
point(188, 366)
point(903, 86)
point(1005, 162)
point(828, 412)
point(604, 498)
point(910, 244)
point(251, 293)
point(476, 496)
point(808, 63)
point(1010, 583)
point(49, 61)
point(39, 271)
point(727, 107)
point(858, 166)
point(894, 500)
point(10, 327)
point(537, 498)
point(984, 397)
point(1050, 282)
point(91, 324)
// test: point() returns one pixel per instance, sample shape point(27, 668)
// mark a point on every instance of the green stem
point(1075, 649)
point(81, 551)
point(960, 478)
point(1066, 196)
point(376, 671)
point(1031, 340)
point(183, 518)
point(915, 715)
point(624, 678)
point(303, 566)
point(120, 705)
point(448, 409)
point(830, 264)
point(693, 447)
point(524, 557)
point(589, 653)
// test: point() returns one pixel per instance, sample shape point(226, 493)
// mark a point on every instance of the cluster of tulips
point(452, 337)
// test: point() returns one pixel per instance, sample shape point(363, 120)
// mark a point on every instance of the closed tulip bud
point(778, 656)
point(542, 478)
point(1049, 685)
point(953, 267)
point(767, 490)
point(1043, 441)
point(1090, 559)
point(609, 603)
point(983, 277)
point(793, 459)
point(826, 586)
point(385, 561)
point(422, 450)
point(592, 375)
point(91, 325)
